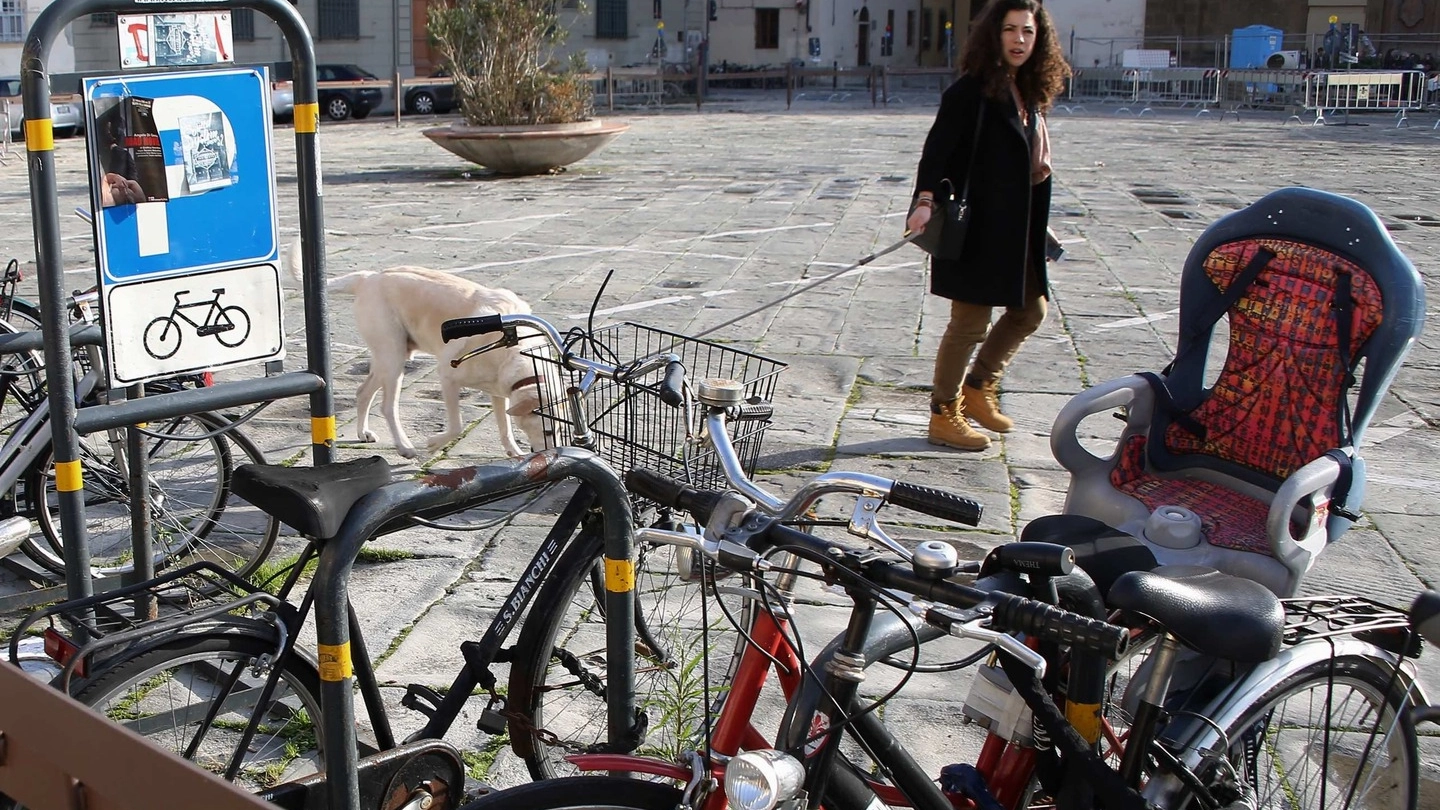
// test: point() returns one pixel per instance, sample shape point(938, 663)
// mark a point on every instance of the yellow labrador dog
point(398, 311)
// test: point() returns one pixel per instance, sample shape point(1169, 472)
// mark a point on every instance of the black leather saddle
point(311, 500)
point(1212, 613)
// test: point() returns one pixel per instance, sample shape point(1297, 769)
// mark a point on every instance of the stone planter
point(526, 149)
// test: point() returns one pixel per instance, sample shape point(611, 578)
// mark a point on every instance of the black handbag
point(944, 234)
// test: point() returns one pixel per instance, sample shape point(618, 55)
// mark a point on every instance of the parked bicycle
point(1303, 708)
point(191, 459)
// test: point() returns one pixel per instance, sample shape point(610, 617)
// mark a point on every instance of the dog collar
point(534, 380)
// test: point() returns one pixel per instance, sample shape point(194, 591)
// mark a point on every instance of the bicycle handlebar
point(671, 386)
point(1008, 613)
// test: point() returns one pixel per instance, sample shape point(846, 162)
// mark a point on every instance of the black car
point(427, 99)
point(339, 103)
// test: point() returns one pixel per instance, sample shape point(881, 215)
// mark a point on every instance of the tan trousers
point(969, 327)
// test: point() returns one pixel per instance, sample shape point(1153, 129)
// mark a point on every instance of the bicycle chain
point(523, 723)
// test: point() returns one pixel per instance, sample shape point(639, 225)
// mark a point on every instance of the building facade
point(16, 17)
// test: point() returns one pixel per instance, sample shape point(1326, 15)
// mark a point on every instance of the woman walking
point(1012, 70)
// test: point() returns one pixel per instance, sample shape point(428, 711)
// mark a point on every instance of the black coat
point(1008, 215)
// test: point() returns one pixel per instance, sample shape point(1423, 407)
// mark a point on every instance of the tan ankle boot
point(948, 428)
point(982, 403)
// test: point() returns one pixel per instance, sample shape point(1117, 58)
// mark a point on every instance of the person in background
point(1013, 69)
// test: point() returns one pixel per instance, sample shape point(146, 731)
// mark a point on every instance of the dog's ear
point(524, 403)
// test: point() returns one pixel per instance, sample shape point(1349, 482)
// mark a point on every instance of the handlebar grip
point(667, 491)
point(457, 328)
point(671, 386)
point(937, 503)
point(757, 411)
point(1016, 614)
point(1425, 616)
point(1045, 559)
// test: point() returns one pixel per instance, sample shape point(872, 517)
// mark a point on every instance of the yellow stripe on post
point(307, 117)
point(68, 477)
point(335, 662)
point(619, 576)
point(39, 135)
point(1085, 717)
point(322, 430)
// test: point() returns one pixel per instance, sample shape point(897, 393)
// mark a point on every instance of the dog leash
point(907, 239)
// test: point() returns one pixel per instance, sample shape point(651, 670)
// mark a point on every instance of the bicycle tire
point(1330, 751)
point(547, 691)
point(155, 692)
point(583, 793)
point(236, 316)
point(159, 341)
point(196, 516)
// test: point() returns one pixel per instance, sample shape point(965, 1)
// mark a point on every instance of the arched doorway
point(862, 42)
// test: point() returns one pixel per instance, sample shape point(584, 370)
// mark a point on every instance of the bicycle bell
point(935, 559)
point(718, 392)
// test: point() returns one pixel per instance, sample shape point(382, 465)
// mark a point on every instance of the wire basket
point(632, 427)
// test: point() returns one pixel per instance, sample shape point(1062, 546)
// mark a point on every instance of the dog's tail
point(347, 283)
point(294, 263)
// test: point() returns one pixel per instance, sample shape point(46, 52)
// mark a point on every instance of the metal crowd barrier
point(1141, 89)
point(5, 154)
point(1397, 91)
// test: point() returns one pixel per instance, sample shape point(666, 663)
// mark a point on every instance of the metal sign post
point(66, 421)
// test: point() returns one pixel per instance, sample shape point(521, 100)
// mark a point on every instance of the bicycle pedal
point(422, 699)
point(492, 722)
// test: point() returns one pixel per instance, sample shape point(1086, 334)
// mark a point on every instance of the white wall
point(1079, 21)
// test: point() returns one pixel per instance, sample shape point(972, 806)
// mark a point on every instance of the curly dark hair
point(1040, 80)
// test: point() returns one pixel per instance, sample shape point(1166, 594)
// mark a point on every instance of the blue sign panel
point(184, 191)
point(182, 174)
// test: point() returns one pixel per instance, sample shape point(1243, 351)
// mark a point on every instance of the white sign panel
point(197, 321)
point(175, 40)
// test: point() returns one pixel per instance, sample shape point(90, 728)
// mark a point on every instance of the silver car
point(67, 117)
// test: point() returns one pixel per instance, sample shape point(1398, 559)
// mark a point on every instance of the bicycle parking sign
point(184, 190)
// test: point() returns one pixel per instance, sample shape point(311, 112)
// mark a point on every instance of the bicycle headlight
point(762, 780)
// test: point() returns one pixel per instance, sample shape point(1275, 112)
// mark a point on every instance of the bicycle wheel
point(166, 693)
point(163, 342)
point(240, 322)
point(582, 793)
point(557, 680)
point(1329, 736)
point(193, 512)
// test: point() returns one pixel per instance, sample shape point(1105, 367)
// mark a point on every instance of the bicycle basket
point(633, 428)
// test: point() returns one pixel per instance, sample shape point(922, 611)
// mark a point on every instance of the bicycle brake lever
point(510, 339)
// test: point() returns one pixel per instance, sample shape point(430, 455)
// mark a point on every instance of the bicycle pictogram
point(229, 324)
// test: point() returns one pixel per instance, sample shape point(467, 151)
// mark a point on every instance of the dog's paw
point(407, 452)
point(438, 441)
point(368, 436)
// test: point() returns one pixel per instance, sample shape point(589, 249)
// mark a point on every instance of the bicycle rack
point(68, 421)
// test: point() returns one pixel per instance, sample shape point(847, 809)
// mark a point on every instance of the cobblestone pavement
point(702, 216)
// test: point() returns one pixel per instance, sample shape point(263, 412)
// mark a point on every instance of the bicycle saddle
point(311, 500)
point(1212, 613)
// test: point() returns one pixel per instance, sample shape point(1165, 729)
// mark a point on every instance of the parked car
point(66, 118)
point(282, 100)
point(339, 103)
point(428, 99)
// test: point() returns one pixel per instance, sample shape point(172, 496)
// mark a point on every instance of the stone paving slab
point(703, 216)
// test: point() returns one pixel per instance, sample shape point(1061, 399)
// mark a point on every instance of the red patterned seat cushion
point(1275, 405)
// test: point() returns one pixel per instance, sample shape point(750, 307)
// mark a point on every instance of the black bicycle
point(229, 324)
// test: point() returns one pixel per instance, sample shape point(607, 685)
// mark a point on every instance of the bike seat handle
point(1425, 616)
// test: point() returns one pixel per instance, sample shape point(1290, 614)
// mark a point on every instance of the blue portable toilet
point(1252, 45)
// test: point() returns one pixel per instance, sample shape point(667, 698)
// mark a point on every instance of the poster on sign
point(175, 40)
